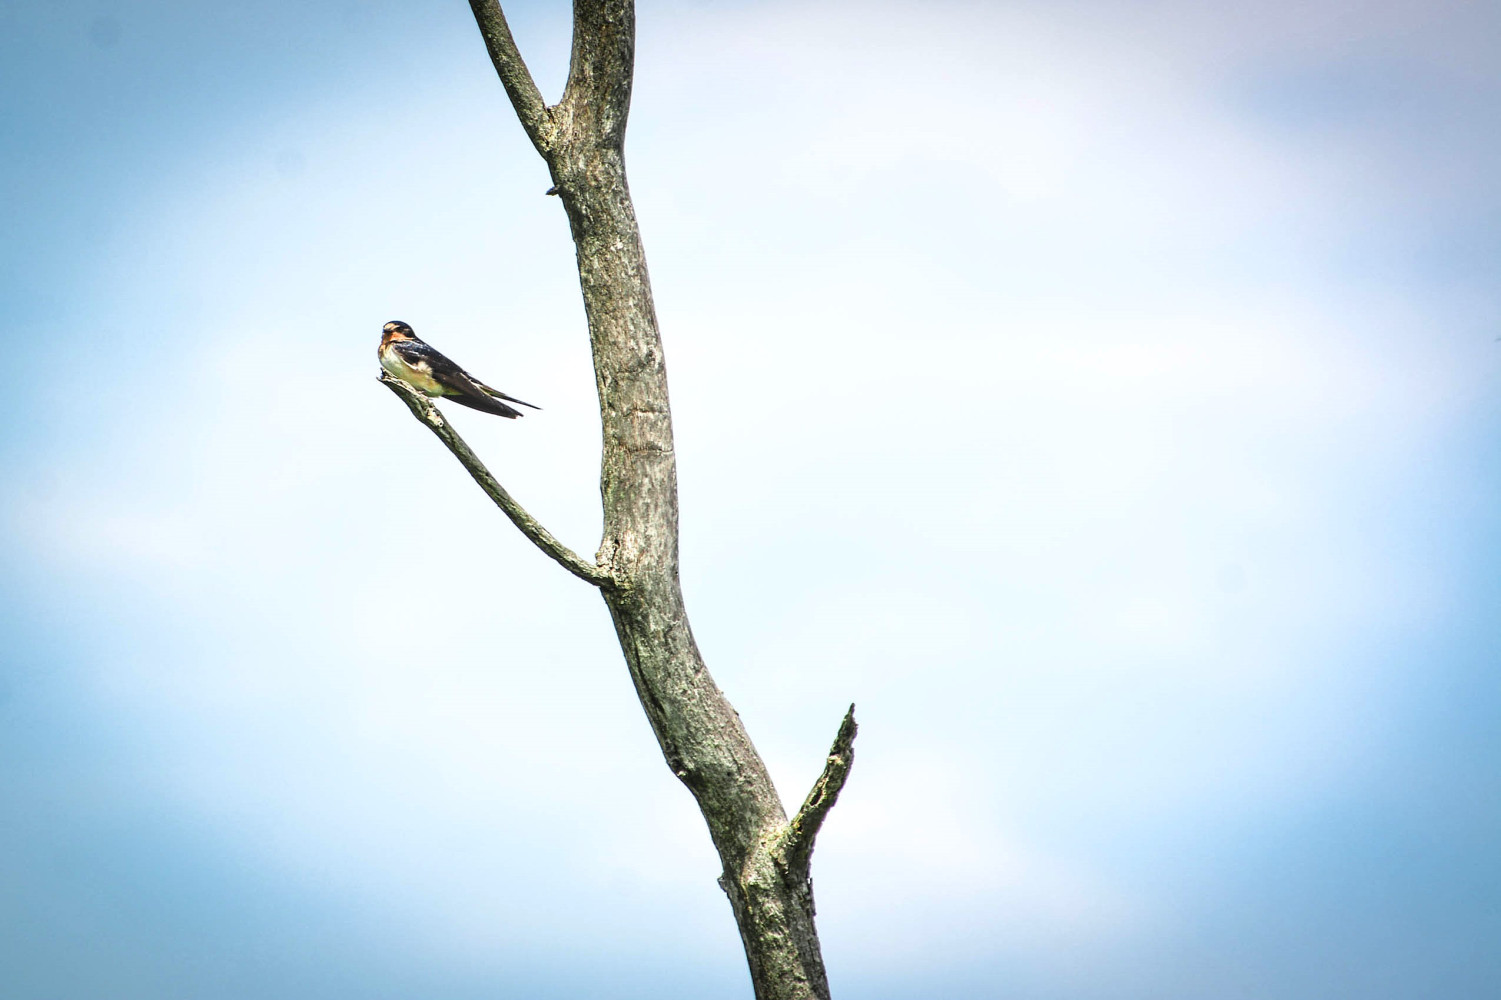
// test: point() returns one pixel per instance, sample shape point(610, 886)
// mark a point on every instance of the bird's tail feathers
point(485, 405)
point(500, 395)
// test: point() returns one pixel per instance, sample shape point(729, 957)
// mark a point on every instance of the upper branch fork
point(531, 109)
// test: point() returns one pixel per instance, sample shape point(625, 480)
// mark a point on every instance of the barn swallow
point(406, 356)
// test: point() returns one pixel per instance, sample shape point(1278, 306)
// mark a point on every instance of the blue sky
point(1101, 395)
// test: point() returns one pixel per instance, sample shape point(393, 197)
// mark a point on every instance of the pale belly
point(418, 378)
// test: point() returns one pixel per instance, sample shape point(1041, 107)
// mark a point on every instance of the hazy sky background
point(1102, 395)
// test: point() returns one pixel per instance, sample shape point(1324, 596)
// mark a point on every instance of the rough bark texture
point(765, 857)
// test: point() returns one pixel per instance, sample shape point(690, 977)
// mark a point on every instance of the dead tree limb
point(797, 837)
point(765, 858)
point(423, 409)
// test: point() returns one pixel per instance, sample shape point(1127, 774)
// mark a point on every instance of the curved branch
point(797, 837)
point(514, 76)
point(423, 409)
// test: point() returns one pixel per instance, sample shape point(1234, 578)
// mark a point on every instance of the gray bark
point(765, 856)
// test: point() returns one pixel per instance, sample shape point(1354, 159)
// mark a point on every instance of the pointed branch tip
point(799, 834)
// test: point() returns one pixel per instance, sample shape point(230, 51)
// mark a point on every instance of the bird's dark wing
point(462, 387)
point(429, 359)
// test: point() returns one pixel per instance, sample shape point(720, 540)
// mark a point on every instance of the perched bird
point(404, 355)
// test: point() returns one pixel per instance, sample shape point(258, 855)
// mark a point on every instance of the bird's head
point(396, 330)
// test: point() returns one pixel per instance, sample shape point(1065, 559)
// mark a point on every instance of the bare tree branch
point(797, 839)
point(423, 409)
point(703, 740)
point(598, 95)
point(514, 76)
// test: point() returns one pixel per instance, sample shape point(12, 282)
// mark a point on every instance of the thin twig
point(423, 409)
point(514, 76)
point(797, 837)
